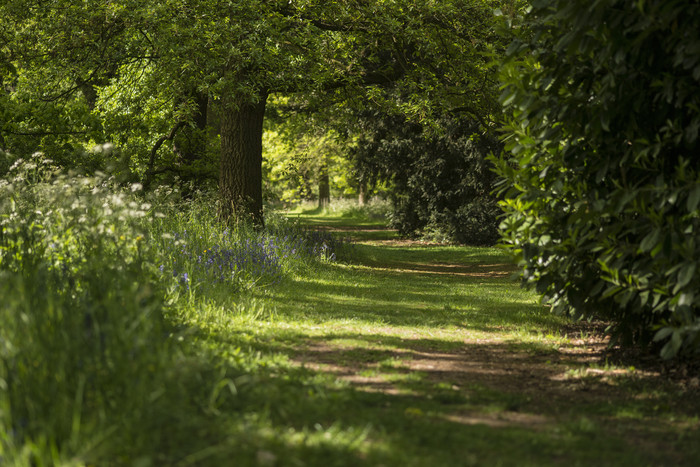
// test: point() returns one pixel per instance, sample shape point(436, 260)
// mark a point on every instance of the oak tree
point(175, 57)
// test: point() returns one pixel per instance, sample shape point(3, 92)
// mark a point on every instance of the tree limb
point(150, 172)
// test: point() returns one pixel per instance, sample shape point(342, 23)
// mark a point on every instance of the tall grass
point(200, 252)
point(82, 316)
point(92, 364)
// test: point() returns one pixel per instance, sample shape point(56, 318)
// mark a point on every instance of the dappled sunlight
point(499, 420)
point(459, 357)
point(235, 233)
point(401, 299)
point(453, 270)
point(480, 373)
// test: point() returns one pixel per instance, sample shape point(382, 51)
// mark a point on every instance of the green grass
point(349, 384)
point(398, 353)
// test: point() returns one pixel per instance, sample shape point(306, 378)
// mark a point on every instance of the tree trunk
point(240, 176)
point(324, 187)
point(363, 196)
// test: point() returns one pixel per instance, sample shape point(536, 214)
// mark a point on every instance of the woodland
point(349, 232)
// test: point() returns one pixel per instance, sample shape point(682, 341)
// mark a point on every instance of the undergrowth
point(92, 276)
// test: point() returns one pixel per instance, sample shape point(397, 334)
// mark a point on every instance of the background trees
point(440, 182)
point(603, 183)
point(135, 72)
point(304, 166)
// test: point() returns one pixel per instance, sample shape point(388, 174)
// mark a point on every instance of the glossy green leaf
point(694, 198)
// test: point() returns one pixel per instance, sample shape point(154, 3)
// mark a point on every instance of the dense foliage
point(603, 182)
point(179, 87)
point(298, 165)
point(93, 279)
point(440, 183)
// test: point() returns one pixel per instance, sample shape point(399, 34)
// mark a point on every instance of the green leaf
point(662, 334)
point(685, 275)
point(672, 347)
point(694, 198)
point(650, 241)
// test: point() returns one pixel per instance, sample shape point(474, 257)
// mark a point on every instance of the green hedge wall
point(602, 173)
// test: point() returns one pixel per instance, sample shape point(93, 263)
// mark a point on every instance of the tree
point(60, 55)
point(317, 46)
point(440, 183)
point(303, 161)
point(239, 52)
point(603, 179)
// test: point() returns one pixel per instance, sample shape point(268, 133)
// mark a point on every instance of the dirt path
point(533, 387)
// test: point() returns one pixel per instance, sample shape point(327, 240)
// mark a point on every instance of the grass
point(393, 353)
point(432, 355)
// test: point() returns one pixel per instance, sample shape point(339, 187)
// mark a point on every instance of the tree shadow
point(346, 397)
point(430, 401)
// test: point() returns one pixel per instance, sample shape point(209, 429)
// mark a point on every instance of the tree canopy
point(139, 73)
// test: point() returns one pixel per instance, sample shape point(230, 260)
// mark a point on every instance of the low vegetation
point(142, 335)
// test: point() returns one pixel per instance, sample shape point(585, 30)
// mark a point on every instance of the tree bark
point(240, 176)
point(324, 187)
point(363, 196)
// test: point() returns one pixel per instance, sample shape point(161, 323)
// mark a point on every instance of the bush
point(441, 184)
point(603, 183)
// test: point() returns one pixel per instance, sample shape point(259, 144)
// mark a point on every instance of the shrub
point(441, 184)
point(603, 182)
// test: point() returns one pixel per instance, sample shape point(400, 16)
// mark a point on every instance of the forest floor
point(449, 360)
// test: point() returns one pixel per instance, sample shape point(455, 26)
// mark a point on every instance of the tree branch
point(291, 12)
point(150, 171)
point(44, 133)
